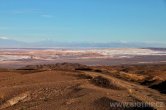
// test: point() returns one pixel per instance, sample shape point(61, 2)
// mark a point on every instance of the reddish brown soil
point(78, 87)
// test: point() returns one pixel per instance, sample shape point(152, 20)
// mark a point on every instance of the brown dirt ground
point(78, 87)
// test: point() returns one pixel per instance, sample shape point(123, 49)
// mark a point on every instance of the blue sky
point(83, 20)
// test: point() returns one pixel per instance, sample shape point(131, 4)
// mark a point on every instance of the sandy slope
point(71, 87)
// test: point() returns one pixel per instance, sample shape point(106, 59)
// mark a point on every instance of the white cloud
point(46, 16)
point(4, 38)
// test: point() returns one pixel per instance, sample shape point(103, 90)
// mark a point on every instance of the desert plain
point(83, 79)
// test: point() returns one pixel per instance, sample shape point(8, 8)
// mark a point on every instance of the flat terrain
point(66, 86)
point(112, 56)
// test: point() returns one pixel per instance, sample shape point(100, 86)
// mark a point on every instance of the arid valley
point(18, 57)
point(82, 54)
point(91, 79)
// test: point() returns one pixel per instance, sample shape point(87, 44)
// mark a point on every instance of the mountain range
point(9, 43)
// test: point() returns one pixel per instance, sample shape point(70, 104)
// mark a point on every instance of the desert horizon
point(100, 79)
point(82, 55)
point(96, 56)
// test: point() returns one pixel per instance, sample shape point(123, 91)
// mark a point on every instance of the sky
point(83, 20)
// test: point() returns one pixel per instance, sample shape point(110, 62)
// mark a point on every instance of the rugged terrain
point(66, 86)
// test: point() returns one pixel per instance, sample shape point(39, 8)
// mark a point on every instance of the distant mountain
point(9, 43)
point(53, 44)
